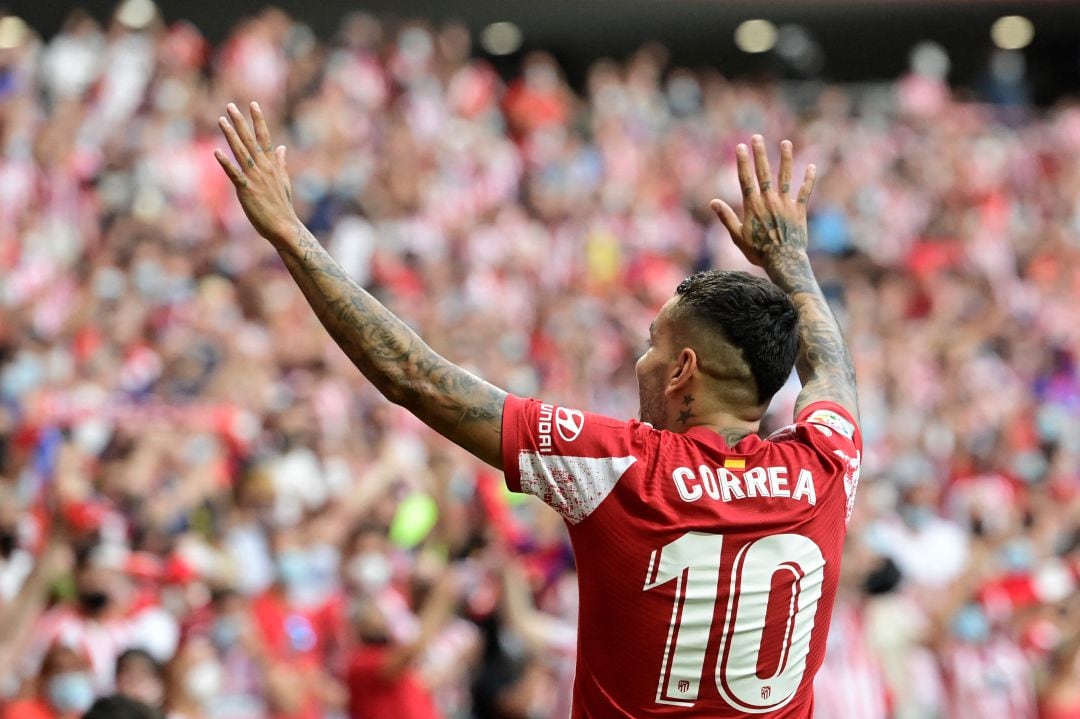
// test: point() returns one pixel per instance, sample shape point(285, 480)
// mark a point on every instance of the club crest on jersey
point(831, 419)
point(567, 422)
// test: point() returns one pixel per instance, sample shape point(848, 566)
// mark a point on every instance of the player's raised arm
point(453, 402)
point(772, 234)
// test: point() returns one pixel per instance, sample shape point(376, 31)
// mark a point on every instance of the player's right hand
point(261, 179)
point(772, 221)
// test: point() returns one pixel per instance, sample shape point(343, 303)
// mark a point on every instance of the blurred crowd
point(205, 508)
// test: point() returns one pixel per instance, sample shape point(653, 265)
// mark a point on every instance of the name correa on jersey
point(724, 560)
point(724, 485)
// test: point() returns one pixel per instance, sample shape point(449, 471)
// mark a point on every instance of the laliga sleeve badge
point(828, 418)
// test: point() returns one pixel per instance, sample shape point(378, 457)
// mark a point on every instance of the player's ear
point(684, 370)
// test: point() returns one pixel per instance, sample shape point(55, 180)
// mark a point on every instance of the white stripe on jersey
point(572, 486)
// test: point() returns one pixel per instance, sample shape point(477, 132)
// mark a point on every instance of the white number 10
point(693, 561)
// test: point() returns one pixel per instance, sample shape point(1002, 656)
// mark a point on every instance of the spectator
point(141, 678)
point(106, 618)
point(65, 688)
point(381, 673)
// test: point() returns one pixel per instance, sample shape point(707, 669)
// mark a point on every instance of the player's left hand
point(262, 185)
point(772, 220)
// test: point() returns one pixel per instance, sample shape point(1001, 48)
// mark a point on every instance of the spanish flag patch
point(734, 463)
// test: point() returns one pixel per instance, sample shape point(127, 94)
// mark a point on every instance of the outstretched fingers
point(262, 132)
point(231, 170)
point(243, 131)
point(239, 150)
point(279, 155)
point(728, 217)
point(808, 185)
point(746, 175)
point(761, 163)
point(786, 161)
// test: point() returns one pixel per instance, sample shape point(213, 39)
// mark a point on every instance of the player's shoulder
point(819, 422)
point(832, 416)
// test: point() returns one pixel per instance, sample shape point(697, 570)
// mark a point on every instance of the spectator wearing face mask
point(252, 684)
point(986, 672)
point(64, 688)
point(368, 570)
point(295, 625)
point(918, 531)
point(106, 617)
point(194, 681)
point(382, 678)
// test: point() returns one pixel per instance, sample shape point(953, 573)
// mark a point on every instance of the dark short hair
point(121, 707)
point(136, 655)
point(753, 314)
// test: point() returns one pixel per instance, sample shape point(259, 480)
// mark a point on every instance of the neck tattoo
point(733, 436)
point(686, 414)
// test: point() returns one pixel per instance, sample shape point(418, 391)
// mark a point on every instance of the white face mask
point(370, 571)
point(70, 692)
point(203, 681)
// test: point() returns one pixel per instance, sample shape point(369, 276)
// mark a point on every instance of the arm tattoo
point(824, 364)
point(770, 235)
point(454, 402)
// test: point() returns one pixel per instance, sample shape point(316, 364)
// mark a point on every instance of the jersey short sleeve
point(568, 458)
point(835, 432)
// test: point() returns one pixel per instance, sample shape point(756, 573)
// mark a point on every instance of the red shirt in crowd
point(707, 573)
point(375, 695)
point(298, 637)
point(28, 709)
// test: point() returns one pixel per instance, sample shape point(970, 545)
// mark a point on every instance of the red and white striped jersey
point(707, 573)
point(150, 628)
point(994, 679)
point(850, 684)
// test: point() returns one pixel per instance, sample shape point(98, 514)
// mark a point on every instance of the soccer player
point(707, 556)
